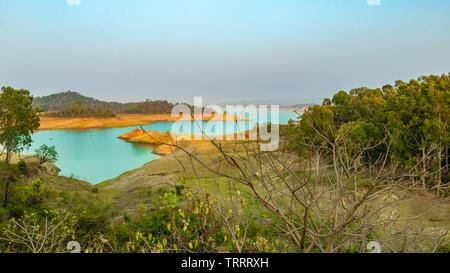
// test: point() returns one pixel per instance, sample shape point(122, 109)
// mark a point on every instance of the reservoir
point(98, 155)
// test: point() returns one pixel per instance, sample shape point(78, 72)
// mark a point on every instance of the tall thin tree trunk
point(440, 158)
point(5, 199)
point(446, 158)
point(424, 166)
point(7, 160)
point(8, 156)
point(317, 167)
point(440, 168)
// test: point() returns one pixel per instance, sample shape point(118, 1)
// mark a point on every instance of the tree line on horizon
point(73, 104)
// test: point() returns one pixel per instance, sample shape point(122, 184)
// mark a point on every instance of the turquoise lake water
point(98, 155)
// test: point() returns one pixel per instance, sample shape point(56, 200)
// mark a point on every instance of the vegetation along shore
point(73, 111)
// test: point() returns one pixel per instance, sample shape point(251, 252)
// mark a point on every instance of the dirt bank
point(120, 121)
point(164, 141)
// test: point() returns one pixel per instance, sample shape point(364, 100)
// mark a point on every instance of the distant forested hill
point(73, 104)
point(60, 101)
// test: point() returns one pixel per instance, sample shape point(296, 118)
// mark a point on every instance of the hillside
point(64, 102)
point(60, 101)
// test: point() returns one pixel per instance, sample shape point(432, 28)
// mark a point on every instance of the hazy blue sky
point(224, 50)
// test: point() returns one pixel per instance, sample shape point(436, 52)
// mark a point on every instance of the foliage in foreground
point(412, 116)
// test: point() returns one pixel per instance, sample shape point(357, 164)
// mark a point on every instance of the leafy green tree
point(9, 181)
point(344, 111)
point(314, 132)
point(47, 153)
point(411, 117)
point(418, 117)
point(18, 120)
point(363, 108)
point(23, 168)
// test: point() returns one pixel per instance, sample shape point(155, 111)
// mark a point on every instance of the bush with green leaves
point(47, 153)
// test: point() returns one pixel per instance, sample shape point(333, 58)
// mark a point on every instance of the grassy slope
point(166, 172)
point(143, 186)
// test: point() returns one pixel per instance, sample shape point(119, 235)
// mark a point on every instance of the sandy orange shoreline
point(120, 121)
point(164, 142)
